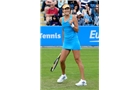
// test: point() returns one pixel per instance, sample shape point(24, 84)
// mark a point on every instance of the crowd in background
point(86, 11)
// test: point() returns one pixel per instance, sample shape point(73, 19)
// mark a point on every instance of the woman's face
point(76, 7)
point(52, 5)
point(66, 11)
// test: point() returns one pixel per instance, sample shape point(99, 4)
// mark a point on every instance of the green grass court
point(90, 59)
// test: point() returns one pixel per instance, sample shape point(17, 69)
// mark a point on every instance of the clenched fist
point(71, 21)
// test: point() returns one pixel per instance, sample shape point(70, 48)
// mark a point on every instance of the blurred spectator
point(80, 19)
point(55, 21)
point(51, 11)
point(96, 15)
point(49, 3)
point(75, 10)
point(60, 3)
point(82, 4)
point(96, 1)
point(43, 6)
point(72, 3)
point(92, 4)
point(46, 5)
point(87, 14)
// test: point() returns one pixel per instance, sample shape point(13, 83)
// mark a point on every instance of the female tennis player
point(71, 42)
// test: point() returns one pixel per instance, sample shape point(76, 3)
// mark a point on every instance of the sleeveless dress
point(71, 40)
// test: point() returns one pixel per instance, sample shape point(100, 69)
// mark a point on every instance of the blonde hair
point(64, 5)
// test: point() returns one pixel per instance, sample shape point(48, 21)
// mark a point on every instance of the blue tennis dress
point(71, 40)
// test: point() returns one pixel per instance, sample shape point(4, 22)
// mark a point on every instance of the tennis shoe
point(62, 78)
point(81, 83)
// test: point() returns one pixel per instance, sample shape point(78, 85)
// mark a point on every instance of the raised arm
point(75, 21)
point(79, 3)
point(88, 9)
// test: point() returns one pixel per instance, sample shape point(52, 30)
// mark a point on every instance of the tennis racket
point(55, 63)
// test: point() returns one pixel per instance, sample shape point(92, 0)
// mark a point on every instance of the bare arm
point(89, 11)
point(49, 15)
point(60, 20)
point(79, 3)
point(75, 21)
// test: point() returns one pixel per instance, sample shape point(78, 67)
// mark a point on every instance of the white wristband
point(72, 25)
